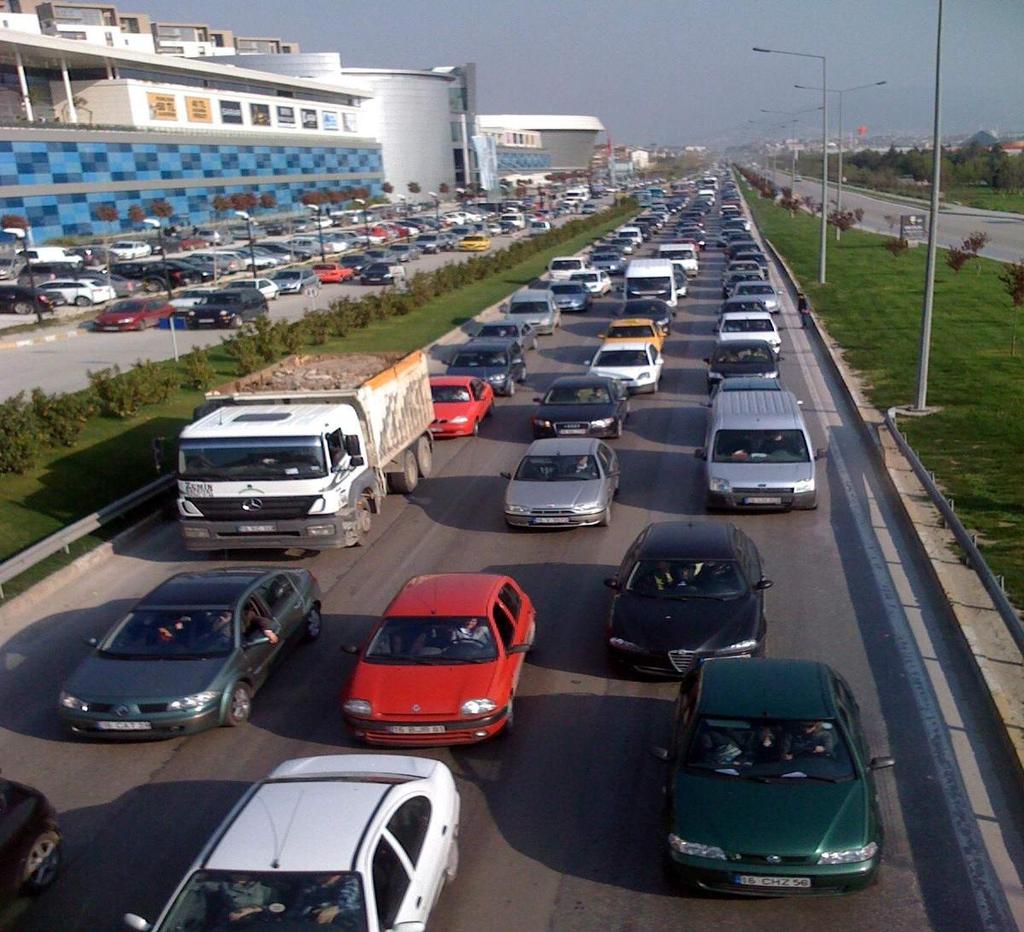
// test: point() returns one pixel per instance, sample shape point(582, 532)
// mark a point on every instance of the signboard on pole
point(912, 226)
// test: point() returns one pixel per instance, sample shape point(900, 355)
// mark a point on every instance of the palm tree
point(414, 187)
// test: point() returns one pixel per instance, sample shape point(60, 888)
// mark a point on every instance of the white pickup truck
point(302, 454)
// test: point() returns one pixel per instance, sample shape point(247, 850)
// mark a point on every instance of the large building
point(538, 144)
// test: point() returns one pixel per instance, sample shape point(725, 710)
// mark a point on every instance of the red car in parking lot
point(331, 273)
point(443, 664)
point(460, 403)
point(134, 314)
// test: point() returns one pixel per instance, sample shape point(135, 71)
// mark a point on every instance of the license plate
point(124, 726)
point(256, 528)
point(416, 729)
point(752, 880)
point(547, 520)
point(572, 430)
point(762, 500)
point(199, 489)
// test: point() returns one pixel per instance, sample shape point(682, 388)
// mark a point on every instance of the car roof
point(581, 381)
point(734, 345)
point(747, 315)
point(632, 322)
point(771, 688)
point(531, 294)
point(213, 587)
point(460, 380)
point(458, 593)
point(627, 345)
point(711, 540)
point(562, 446)
point(488, 343)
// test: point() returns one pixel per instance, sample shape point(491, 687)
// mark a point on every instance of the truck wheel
point(406, 481)
point(424, 457)
point(364, 519)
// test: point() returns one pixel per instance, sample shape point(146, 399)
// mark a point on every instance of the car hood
point(576, 413)
point(743, 368)
point(532, 317)
point(756, 475)
point(790, 817)
point(684, 624)
point(106, 679)
point(480, 372)
point(621, 372)
point(554, 494)
point(112, 317)
point(436, 689)
point(446, 410)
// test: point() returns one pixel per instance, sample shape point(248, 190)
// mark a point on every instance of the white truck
point(302, 454)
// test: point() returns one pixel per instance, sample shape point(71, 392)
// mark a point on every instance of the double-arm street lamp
point(792, 124)
point(823, 245)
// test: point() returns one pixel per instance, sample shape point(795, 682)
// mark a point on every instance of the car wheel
point(42, 863)
point(510, 718)
point(476, 427)
point(424, 457)
point(23, 307)
point(82, 301)
point(313, 624)
point(617, 432)
point(511, 390)
point(236, 322)
point(239, 705)
point(406, 481)
point(606, 516)
point(490, 409)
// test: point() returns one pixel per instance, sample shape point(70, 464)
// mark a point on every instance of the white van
point(633, 233)
point(651, 278)
point(682, 254)
point(561, 268)
point(50, 254)
point(516, 219)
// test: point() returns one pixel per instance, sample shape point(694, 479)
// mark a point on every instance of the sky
point(674, 71)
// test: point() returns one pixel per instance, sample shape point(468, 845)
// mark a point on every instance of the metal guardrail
point(992, 583)
point(55, 543)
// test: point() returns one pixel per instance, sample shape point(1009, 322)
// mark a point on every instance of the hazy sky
point(672, 71)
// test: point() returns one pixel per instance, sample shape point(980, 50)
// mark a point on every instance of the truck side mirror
point(700, 453)
point(351, 444)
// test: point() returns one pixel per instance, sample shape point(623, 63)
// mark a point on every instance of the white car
point(131, 249)
point(761, 292)
point(264, 286)
point(190, 297)
point(354, 841)
point(749, 325)
point(595, 281)
point(255, 261)
point(636, 364)
point(82, 292)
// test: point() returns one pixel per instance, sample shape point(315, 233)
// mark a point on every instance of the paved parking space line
point(38, 341)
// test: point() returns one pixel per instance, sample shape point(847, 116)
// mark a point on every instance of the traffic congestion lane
point(560, 819)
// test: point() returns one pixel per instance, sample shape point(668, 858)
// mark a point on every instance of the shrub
point(198, 373)
point(242, 348)
point(896, 246)
point(122, 394)
point(19, 438)
point(293, 335)
point(266, 338)
point(318, 327)
point(60, 419)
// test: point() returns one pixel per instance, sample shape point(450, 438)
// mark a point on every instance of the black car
point(356, 261)
point(500, 363)
point(582, 406)
point(30, 841)
point(20, 299)
point(751, 255)
point(650, 308)
point(49, 271)
point(228, 308)
point(686, 591)
point(154, 276)
point(123, 287)
point(741, 357)
point(378, 273)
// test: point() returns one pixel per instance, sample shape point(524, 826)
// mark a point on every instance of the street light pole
point(153, 222)
point(366, 222)
point(22, 238)
point(248, 228)
point(437, 206)
point(319, 230)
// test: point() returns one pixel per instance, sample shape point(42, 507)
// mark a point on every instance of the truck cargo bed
point(312, 373)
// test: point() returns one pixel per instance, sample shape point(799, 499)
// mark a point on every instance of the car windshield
point(227, 297)
point(686, 579)
point(285, 276)
point(557, 468)
point(577, 395)
point(449, 393)
point(378, 269)
point(252, 458)
point(286, 900)
point(498, 330)
point(435, 640)
point(528, 307)
point(755, 384)
point(754, 288)
point(768, 749)
point(631, 330)
point(618, 358)
point(563, 265)
point(570, 288)
point(744, 354)
point(760, 446)
point(172, 632)
point(746, 325)
point(476, 358)
point(605, 257)
point(651, 285)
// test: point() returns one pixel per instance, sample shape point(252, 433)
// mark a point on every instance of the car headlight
point(588, 509)
point(127, 320)
point(718, 485)
point(517, 509)
point(803, 485)
point(461, 419)
point(318, 507)
point(623, 644)
point(541, 422)
point(643, 376)
point(497, 377)
point(603, 422)
point(358, 707)
point(695, 849)
point(850, 856)
point(195, 701)
point(477, 706)
point(73, 702)
point(749, 644)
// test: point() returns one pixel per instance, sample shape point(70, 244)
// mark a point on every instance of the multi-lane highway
point(561, 819)
point(1005, 231)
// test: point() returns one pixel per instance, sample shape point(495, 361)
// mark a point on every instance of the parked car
point(215, 637)
point(20, 299)
point(158, 275)
point(134, 314)
point(187, 298)
point(92, 256)
point(123, 287)
point(357, 842)
point(519, 331)
point(382, 273)
point(431, 242)
point(264, 286)
point(406, 252)
point(498, 362)
point(460, 403)
point(188, 243)
point(770, 786)
point(686, 591)
point(741, 357)
point(30, 841)
point(47, 271)
point(295, 281)
point(356, 261)
point(454, 641)
point(332, 273)
point(582, 405)
point(130, 249)
point(637, 364)
point(81, 292)
point(228, 308)
point(563, 482)
point(474, 242)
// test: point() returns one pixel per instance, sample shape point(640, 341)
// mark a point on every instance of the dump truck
point(302, 454)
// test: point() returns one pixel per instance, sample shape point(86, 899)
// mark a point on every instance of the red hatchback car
point(443, 664)
point(460, 404)
point(134, 314)
point(330, 273)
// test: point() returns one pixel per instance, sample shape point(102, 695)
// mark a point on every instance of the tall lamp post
point(22, 238)
point(404, 208)
point(839, 168)
point(244, 215)
point(319, 229)
point(366, 222)
point(823, 245)
point(437, 206)
point(155, 224)
point(792, 123)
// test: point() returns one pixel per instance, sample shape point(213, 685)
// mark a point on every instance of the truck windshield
point(252, 458)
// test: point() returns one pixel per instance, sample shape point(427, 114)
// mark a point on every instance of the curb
point(38, 341)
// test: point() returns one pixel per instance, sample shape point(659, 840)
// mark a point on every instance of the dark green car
point(191, 654)
point(771, 789)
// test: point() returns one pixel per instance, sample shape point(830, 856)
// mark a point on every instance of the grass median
point(114, 456)
point(872, 307)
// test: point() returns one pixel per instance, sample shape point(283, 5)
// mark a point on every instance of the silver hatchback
point(563, 482)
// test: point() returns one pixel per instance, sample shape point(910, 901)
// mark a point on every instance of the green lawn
point(113, 456)
point(986, 198)
point(872, 306)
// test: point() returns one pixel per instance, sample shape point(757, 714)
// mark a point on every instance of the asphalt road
point(560, 823)
point(1005, 231)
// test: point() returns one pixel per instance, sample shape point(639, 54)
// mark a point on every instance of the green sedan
point(771, 789)
point(191, 654)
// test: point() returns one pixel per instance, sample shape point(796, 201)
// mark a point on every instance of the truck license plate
point(752, 880)
point(256, 528)
point(124, 726)
point(199, 489)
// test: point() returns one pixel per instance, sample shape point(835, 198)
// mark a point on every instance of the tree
point(957, 258)
point(162, 209)
point(388, 188)
point(244, 201)
point(414, 187)
point(973, 244)
point(443, 188)
point(897, 246)
point(221, 204)
point(14, 220)
point(136, 214)
point(268, 200)
point(1012, 278)
point(336, 195)
point(106, 213)
point(360, 193)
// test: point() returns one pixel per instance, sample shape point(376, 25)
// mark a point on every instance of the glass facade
point(522, 160)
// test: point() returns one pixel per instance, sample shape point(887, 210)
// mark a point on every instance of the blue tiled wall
point(87, 164)
point(515, 160)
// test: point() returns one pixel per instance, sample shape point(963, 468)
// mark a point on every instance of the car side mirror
point(763, 584)
point(349, 648)
point(255, 641)
point(505, 475)
point(660, 753)
point(801, 404)
point(881, 763)
point(136, 922)
point(820, 453)
point(612, 583)
point(707, 360)
point(503, 308)
point(519, 649)
point(91, 642)
point(700, 453)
